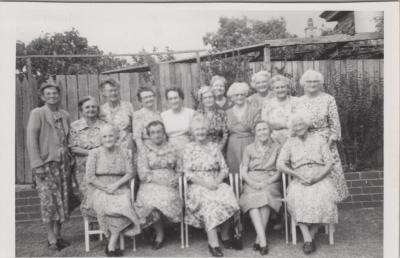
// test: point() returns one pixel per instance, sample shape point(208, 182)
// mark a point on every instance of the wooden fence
point(338, 75)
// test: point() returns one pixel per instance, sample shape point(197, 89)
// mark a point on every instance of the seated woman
point(108, 170)
point(210, 202)
point(262, 188)
point(158, 179)
point(311, 195)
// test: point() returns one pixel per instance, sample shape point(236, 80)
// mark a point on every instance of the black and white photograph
point(203, 130)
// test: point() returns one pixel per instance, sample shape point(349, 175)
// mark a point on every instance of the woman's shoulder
point(95, 151)
point(79, 124)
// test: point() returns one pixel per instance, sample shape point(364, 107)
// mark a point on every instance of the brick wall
point(366, 189)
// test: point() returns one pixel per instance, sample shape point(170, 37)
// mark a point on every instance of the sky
point(129, 28)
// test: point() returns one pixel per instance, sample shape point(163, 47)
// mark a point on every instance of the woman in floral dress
point(277, 110)
point(324, 122)
point(158, 189)
point(118, 113)
point(144, 116)
point(47, 146)
point(311, 195)
point(84, 136)
point(218, 131)
point(218, 84)
point(109, 171)
point(210, 202)
point(260, 83)
point(262, 187)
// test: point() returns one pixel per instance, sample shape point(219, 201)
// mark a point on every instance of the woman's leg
point(305, 231)
point(159, 230)
point(255, 216)
point(265, 212)
point(57, 229)
point(225, 228)
point(313, 230)
point(112, 242)
point(212, 237)
point(51, 236)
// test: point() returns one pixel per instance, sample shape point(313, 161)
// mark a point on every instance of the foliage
point(379, 23)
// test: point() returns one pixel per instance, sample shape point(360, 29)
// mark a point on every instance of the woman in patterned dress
point(47, 146)
point(324, 122)
point(84, 136)
point(144, 116)
point(277, 110)
point(260, 83)
point(262, 187)
point(218, 84)
point(210, 202)
point(218, 131)
point(118, 113)
point(109, 171)
point(157, 163)
point(311, 195)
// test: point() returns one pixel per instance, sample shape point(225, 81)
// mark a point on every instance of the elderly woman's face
point(147, 98)
point(90, 109)
point(262, 132)
point(51, 96)
point(200, 132)
point(207, 99)
point(312, 84)
point(239, 97)
point(111, 92)
point(108, 138)
point(218, 88)
point(261, 84)
point(157, 134)
point(280, 89)
point(300, 129)
point(174, 101)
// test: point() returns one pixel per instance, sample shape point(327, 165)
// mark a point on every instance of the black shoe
point(237, 242)
point(256, 247)
point(114, 253)
point(157, 245)
point(52, 246)
point(61, 243)
point(215, 251)
point(264, 250)
point(228, 244)
point(308, 247)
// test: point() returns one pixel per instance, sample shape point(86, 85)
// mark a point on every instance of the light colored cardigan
point(42, 142)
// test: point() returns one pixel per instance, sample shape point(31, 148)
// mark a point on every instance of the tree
point(69, 42)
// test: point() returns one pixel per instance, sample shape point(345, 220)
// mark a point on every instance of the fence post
point(200, 80)
point(267, 58)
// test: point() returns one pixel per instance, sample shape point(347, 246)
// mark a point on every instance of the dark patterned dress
point(55, 188)
point(218, 130)
point(207, 208)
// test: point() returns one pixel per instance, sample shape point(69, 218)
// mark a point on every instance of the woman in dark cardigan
point(47, 132)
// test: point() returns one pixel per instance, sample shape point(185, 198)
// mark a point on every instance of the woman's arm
point(145, 174)
point(79, 151)
point(91, 166)
point(223, 168)
point(333, 121)
point(245, 168)
point(225, 132)
point(32, 141)
point(328, 160)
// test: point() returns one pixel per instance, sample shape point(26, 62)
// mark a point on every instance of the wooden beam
point(267, 58)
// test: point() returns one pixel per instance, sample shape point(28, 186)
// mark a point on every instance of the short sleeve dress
point(141, 119)
point(261, 166)
point(159, 180)
point(207, 208)
point(218, 130)
point(315, 203)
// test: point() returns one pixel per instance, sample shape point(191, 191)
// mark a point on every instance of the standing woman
point(324, 122)
point(218, 84)
point(157, 167)
point(47, 133)
point(260, 83)
point(117, 113)
point(262, 187)
point(311, 195)
point(177, 118)
point(144, 116)
point(218, 130)
point(277, 110)
point(210, 202)
point(84, 136)
point(241, 119)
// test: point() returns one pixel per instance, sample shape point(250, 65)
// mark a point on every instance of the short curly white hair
point(262, 73)
point(198, 119)
point(216, 78)
point(238, 87)
point(279, 78)
point(201, 91)
point(300, 117)
point(311, 74)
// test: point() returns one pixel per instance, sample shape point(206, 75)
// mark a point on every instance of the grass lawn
point(358, 234)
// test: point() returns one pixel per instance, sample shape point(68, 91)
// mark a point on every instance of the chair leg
point(294, 233)
point(182, 235)
point(187, 234)
point(327, 229)
point(134, 243)
point(286, 223)
point(122, 242)
point(87, 239)
point(101, 237)
point(331, 232)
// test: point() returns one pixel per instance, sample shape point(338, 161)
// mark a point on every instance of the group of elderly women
point(260, 137)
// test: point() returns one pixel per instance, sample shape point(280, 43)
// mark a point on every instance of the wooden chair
point(239, 187)
point(329, 228)
point(88, 232)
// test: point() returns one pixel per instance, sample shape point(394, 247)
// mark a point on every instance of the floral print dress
point(315, 203)
point(277, 114)
point(257, 102)
point(218, 130)
point(86, 137)
point(141, 119)
point(159, 180)
point(326, 123)
point(207, 208)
